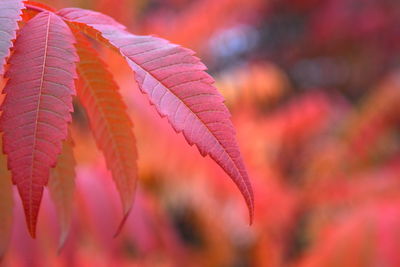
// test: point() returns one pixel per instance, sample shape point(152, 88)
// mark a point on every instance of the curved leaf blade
point(10, 14)
point(6, 205)
point(62, 187)
point(176, 83)
point(109, 120)
point(37, 106)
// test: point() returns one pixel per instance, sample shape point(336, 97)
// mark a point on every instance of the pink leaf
point(176, 83)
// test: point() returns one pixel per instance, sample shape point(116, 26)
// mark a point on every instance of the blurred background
point(314, 91)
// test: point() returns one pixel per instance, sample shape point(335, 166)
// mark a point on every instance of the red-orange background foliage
point(314, 91)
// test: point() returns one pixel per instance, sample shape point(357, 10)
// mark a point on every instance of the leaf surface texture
point(109, 121)
point(10, 14)
point(37, 106)
point(176, 83)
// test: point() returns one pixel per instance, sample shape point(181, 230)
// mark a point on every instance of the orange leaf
point(109, 121)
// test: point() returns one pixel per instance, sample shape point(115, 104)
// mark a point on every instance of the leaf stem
point(35, 8)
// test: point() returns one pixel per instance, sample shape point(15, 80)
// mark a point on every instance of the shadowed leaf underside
point(109, 120)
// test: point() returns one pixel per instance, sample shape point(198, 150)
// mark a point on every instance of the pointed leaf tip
point(32, 231)
point(122, 223)
point(62, 240)
point(31, 205)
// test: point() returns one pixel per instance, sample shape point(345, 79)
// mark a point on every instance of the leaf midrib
point(92, 93)
point(202, 122)
point(37, 120)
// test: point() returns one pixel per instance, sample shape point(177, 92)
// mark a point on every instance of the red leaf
point(10, 14)
point(176, 83)
point(37, 106)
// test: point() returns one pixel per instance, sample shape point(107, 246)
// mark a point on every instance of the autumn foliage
point(313, 92)
point(38, 103)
